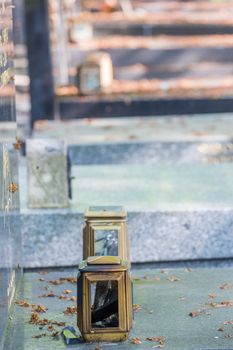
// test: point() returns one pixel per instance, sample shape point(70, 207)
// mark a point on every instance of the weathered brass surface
point(104, 299)
point(105, 233)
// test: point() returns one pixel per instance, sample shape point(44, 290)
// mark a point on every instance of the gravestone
point(47, 174)
point(10, 237)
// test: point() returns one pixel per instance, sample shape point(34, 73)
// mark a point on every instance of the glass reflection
point(104, 304)
point(106, 242)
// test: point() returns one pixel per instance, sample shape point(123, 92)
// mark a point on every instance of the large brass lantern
point(104, 299)
point(105, 233)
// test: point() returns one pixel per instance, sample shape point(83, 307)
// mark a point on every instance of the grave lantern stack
point(104, 281)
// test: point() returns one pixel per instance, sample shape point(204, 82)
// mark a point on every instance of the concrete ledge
point(54, 239)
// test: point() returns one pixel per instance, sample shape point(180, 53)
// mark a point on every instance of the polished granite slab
point(175, 212)
point(165, 300)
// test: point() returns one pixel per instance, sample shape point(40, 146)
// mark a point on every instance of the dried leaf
point(59, 324)
point(137, 307)
point(70, 310)
point(51, 328)
point(18, 144)
point(40, 336)
point(23, 303)
point(40, 309)
point(212, 295)
point(228, 322)
point(41, 279)
point(228, 336)
point(136, 341)
point(225, 303)
point(13, 187)
point(225, 286)
point(221, 329)
point(55, 334)
point(194, 313)
point(48, 295)
point(160, 340)
point(56, 282)
point(67, 291)
point(173, 279)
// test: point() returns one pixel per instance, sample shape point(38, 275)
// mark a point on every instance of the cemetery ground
point(173, 174)
point(174, 309)
point(175, 191)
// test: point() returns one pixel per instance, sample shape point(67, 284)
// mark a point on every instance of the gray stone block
point(55, 238)
point(47, 174)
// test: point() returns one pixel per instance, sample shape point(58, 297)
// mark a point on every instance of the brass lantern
point(105, 232)
point(95, 75)
point(104, 299)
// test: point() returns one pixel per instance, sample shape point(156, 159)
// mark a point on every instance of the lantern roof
point(103, 263)
point(100, 212)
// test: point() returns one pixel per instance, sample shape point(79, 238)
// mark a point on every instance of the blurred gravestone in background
point(10, 239)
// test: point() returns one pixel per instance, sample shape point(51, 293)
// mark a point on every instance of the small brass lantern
point(105, 232)
point(95, 75)
point(104, 299)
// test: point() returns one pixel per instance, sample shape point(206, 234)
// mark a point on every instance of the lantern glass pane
point(106, 242)
point(90, 78)
point(104, 304)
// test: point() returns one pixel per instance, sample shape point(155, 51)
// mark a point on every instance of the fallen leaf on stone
point(225, 286)
point(57, 282)
point(228, 336)
point(225, 303)
point(160, 340)
point(41, 279)
point(55, 334)
point(72, 280)
point(228, 322)
point(70, 310)
point(194, 313)
point(40, 336)
point(137, 307)
point(136, 341)
point(221, 329)
point(59, 324)
point(48, 295)
point(34, 318)
point(212, 295)
point(188, 270)
point(67, 291)
point(18, 144)
point(13, 187)
point(173, 279)
point(40, 309)
point(23, 303)
point(62, 280)
point(64, 297)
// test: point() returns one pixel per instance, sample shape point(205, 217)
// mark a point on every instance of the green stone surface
point(116, 130)
point(166, 305)
point(151, 188)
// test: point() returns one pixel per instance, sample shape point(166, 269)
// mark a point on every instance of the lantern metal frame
point(106, 220)
point(96, 269)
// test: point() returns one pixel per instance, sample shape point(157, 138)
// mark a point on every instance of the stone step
point(179, 140)
point(175, 213)
point(165, 309)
